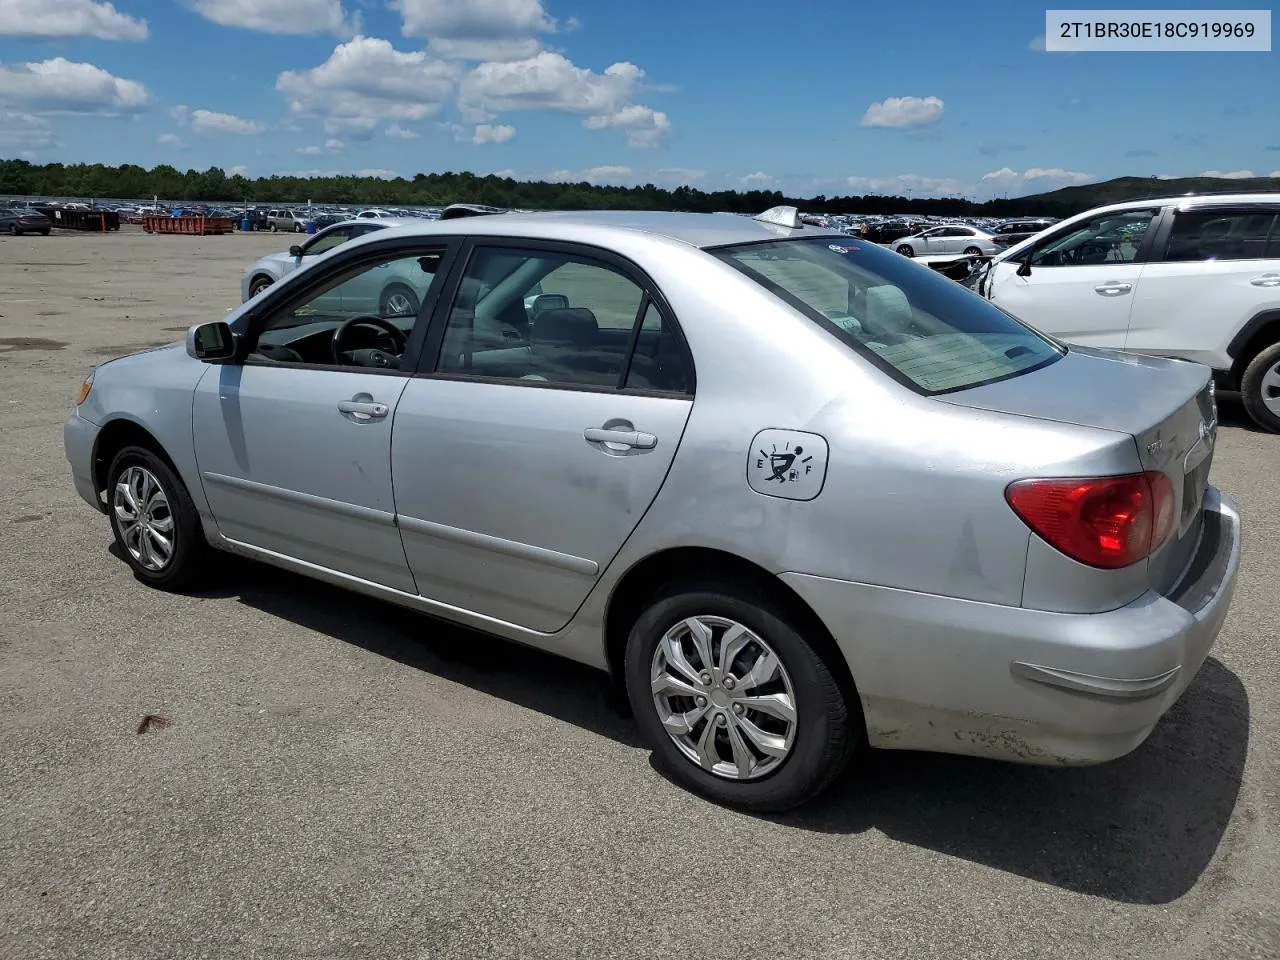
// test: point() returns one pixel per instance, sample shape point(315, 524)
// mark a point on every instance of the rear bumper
point(938, 673)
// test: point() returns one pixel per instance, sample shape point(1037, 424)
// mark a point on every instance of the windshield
point(923, 329)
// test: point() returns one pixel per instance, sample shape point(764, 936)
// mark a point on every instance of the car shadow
point(1231, 413)
point(1141, 829)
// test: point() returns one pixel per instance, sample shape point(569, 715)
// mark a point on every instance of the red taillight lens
point(1107, 522)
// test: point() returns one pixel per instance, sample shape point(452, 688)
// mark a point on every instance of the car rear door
point(1211, 273)
point(1081, 280)
point(529, 447)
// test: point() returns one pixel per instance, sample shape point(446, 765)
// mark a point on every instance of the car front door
point(532, 445)
point(293, 443)
point(1212, 276)
point(1081, 279)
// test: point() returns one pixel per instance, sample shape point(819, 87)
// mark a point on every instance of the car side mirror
point(295, 250)
point(211, 342)
point(1024, 268)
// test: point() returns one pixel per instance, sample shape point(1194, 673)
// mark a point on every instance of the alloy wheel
point(397, 304)
point(724, 697)
point(145, 520)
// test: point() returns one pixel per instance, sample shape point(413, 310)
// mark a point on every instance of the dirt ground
point(343, 779)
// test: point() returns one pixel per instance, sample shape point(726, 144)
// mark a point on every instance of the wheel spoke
point(777, 705)
point(767, 743)
point(148, 557)
point(161, 546)
point(733, 642)
point(708, 755)
point(673, 651)
point(700, 633)
point(743, 759)
point(682, 724)
point(132, 536)
point(665, 685)
point(130, 504)
point(162, 525)
point(1271, 379)
point(765, 669)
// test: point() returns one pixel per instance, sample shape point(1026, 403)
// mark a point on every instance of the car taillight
point(1107, 522)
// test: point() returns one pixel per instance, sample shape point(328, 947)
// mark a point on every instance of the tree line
point(95, 180)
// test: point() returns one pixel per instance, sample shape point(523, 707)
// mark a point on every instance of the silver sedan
point(798, 495)
point(952, 238)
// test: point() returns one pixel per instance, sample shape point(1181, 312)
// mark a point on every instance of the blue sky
point(807, 97)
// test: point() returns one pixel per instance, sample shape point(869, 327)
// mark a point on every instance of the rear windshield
point(917, 325)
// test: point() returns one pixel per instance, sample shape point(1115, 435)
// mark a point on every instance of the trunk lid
point(1167, 406)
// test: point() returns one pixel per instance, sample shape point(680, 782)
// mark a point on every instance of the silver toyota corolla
point(799, 494)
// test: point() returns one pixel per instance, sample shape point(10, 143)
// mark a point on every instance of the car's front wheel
point(398, 301)
point(906, 250)
point(972, 252)
point(154, 521)
point(735, 702)
point(259, 284)
point(1260, 388)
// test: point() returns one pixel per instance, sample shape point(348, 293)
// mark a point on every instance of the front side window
point(541, 316)
point(1109, 238)
point(918, 326)
point(1220, 236)
point(360, 316)
point(330, 239)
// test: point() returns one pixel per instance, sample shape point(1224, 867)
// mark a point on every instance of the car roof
point(1194, 199)
point(696, 229)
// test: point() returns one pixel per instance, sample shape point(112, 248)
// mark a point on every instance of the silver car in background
point(950, 238)
point(275, 266)
point(797, 494)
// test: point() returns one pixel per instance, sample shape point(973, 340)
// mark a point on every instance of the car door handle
point(1267, 280)
point(1113, 288)
point(363, 409)
point(635, 439)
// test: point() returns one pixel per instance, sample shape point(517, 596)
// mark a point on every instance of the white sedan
point(276, 266)
point(952, 238)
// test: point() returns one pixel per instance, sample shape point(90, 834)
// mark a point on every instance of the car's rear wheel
point(733, 700)
point(259, 284)
point(154, 521)
point(398, 301)
point(44, 233)
point(1260, 388)
point(13, 230)
point(906, 250)
point(972, 252)
point(274, 228)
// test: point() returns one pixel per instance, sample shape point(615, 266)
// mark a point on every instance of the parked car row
point(798, 495)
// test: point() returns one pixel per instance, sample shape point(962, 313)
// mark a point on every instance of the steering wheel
point(371, 356)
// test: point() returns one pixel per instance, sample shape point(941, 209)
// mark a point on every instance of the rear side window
point(920, 327)
point(1217, 235)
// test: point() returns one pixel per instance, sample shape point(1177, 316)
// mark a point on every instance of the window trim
point(325, 234)
point(429, 356)
point(289, 293)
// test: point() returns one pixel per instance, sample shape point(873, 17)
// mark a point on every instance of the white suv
point(1193, 277)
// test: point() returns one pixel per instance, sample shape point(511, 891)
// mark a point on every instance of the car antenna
point(783, 216)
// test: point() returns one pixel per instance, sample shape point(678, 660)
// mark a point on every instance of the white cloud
point(239, 170)
point(169, 140)
point(1229, 174)
point(62, 86)
point(1274, 173)
point(490, 30)
point(644, 127)
point(492, 133)
point(759, 178)
point(400, 133)
point(366, 81)
point(334, 145)
point(377, 172)
point(506, 174)
point(208, 121)
point(610, 173)
point(314, 174)
point(547, 81)
point(903, 112)
point(309, 151)
point(297, 17)
point(68, 18)
point(24, 131)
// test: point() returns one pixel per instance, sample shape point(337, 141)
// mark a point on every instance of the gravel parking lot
point(344, 779)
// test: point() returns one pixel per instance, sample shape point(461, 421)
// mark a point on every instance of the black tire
point(384, 302)
point(190, 550)
point(44, 233)
point(906, 251)
point(828, 731)
point(1252, 389)
point(274, 228)
point(14, 231)
point(259, 284)
point(972, 252)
